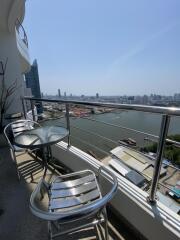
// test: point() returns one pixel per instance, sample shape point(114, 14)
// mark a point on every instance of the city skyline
point(67, 94)
point(113, 48)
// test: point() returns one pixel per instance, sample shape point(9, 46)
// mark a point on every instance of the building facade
point(14, 54)
point(32, 82)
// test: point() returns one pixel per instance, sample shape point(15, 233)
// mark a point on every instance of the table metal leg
point(47, 157)
point(45, 160)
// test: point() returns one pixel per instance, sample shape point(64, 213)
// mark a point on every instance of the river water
point(146, 122)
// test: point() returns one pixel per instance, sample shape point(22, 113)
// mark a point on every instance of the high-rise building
point(32, 81)
point(59, 93)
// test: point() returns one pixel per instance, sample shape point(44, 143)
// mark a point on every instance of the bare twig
point(5, 93)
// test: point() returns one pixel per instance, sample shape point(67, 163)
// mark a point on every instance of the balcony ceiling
point(10, 10)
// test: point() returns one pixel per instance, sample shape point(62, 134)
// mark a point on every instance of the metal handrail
point(151, 109)
point(172, 111)
point(166, 113)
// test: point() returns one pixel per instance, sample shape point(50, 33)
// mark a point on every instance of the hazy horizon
point(94, 95)
point(113, 47)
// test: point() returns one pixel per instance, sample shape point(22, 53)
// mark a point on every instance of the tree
point(5, 93)
point(171, 151)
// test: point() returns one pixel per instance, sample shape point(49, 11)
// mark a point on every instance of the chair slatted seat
point(60, 203)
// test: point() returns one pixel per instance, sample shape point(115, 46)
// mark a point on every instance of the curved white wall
point(17, 10)
point(23, 54)
point(14, 49)
point(10, 10)
point(8, 50)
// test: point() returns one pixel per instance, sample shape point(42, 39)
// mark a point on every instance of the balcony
point(135, 207)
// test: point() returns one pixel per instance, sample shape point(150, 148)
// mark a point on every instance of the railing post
point(24, 108)
point(32, 109)
point(68, 123)
point(157, 168)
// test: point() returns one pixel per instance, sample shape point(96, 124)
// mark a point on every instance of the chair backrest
point(19, 127)
point(84, 210)
point(70, 191)
point(15, 128)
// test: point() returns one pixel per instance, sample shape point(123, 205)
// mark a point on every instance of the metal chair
point(13, 129)
point(73, 199)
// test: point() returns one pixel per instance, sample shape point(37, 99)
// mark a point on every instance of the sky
point(110, 47)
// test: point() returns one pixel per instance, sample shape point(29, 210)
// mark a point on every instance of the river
point(146, 122)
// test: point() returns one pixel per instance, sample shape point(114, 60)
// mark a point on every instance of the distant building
point(97, 95)
point(145, 99)
point(59, 93)
point(32, 81)
point(65, 94)
point(138, 162)
point(177, 96)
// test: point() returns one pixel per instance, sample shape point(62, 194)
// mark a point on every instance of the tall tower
point(32, 81)
point(59, 93)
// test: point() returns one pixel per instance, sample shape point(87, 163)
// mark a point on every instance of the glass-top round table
point(40, 137)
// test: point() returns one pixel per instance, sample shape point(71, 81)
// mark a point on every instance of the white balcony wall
point(151, 221)
point(10, 11)
point(23, 53)
point(14, 49)
point(9, 52)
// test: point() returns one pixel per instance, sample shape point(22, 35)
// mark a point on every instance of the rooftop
point(136, 161)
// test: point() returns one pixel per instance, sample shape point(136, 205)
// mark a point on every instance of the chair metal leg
point(32, 179)
point(18, 174)
point(36, 154)
point(50, 152)
point(13, 155)
point(106, 224)
point(96, 231)
point(45, 159)
point(44, 175)
point(49, 231)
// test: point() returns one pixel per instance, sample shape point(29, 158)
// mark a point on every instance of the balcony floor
point(16, 220)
